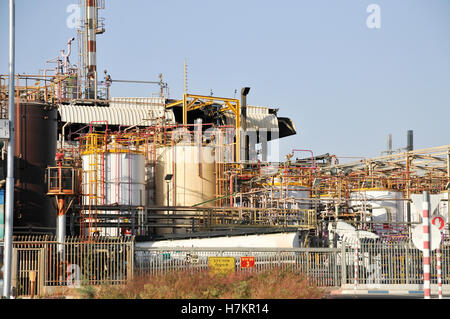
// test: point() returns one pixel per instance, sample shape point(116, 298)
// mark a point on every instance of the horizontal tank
point(279, 240)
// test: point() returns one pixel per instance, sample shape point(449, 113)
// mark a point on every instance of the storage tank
point(114, 177)
point(35, 150)
point(150, 183)
point(387, 205)
point(277, 240)
point(193, 177)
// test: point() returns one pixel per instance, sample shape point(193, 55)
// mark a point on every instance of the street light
point(168, 178)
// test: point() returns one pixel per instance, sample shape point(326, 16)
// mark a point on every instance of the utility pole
point(9, 202)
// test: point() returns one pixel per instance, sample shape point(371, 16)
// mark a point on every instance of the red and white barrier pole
point(426, 245)
point(439, 273)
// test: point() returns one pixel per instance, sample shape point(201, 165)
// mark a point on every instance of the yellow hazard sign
point(221, 265)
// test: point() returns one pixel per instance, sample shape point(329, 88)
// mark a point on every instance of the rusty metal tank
point(35, 150)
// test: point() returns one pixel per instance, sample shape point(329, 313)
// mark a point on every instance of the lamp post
point(168, 178)
point(9, 202)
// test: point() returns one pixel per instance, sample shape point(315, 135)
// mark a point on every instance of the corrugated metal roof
point(138, 102)
point(113, 115)
point(257, 118)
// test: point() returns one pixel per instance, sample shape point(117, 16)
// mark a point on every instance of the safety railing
point(61, 180)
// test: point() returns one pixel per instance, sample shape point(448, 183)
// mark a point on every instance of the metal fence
point(41, 262)
point(320, 265)
point(375, 263)
point(392, 262)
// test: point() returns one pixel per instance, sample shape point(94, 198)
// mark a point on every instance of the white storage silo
point(115, 177)
point(193, 179)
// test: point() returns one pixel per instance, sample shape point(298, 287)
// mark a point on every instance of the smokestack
point(90, 14)
point(409, 141)
point(389, 144)
point(244, 93)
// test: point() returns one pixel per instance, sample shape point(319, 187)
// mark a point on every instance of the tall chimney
point(389, 144)
point(244, 93)
point(409, 141)
point(90, 14)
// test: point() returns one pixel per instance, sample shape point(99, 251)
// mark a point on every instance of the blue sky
point(345, 86)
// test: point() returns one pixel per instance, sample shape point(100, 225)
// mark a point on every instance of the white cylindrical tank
point(113, 178)
point(279, 240)
point(193, 178)
point(387, 205)
point(150, 182)
point(125, 179)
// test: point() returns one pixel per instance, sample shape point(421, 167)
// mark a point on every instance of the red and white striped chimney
point(91, 46)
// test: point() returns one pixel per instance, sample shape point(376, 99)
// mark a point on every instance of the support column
point(426, 245)
point(9, 200)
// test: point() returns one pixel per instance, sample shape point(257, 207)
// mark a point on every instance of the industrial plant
point(193, 171)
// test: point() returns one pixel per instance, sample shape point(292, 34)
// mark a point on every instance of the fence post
point(41, 271)
point(14, 272)
point(356, 265)
point(439, 273)
point(343, 264)
point(279, 258)
point(130, 259)
point(407, 261)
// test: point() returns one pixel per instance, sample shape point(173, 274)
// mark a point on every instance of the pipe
point(66, 56)
point(9, 202)
point(312, 157)
point(62, 134)
point(61, 232)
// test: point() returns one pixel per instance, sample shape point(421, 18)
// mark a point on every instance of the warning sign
point(438, 221)
point(247, 262)
point(222, 265)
